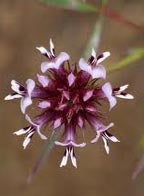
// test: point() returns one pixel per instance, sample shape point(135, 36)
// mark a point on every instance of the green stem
point(137, 55)
point(45, 152)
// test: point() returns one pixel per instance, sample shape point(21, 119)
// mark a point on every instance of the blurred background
point(27, 24)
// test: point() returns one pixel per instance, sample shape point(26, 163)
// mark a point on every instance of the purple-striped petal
point(65, 158)
point(102, 57)
point(106, 146)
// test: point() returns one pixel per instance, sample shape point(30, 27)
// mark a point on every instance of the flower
point(22, 92)
point(68, 96)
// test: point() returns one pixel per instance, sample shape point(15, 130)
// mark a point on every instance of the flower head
point(68, 96)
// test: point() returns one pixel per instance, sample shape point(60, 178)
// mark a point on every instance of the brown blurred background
point(27, 24)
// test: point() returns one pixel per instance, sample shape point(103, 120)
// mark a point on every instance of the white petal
point(73, 158)
point(103, 56)
point(42, 136)
point(43, 80)
point(96, 138)
point(10, 97)
point(30, 121)
point(21, 131)
point(27, 140)
point(15, 86)
point(99, 72)
point(52, 47)
point(30, 86)
point(113, 139)
point(106, 145)
point(126, 96)
point(44, 104)
point(61, 59)
point(93, 53)
point(25, 102)
point(43, 51)
point(65, 158)
point(124, 87)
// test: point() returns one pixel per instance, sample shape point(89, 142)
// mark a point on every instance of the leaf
point(136, 55)
point(72, 5)
point(87, 7)
point(45, 153)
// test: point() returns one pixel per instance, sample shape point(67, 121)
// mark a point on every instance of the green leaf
point(72, 5)
point(136, 55)
point(45, 153)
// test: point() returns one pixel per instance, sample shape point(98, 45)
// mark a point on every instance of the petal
point(65, 158)
point(101, 128)
point(52, 47)
point(80, 122)
point(93, 53)
point(73, 158)
point(81, 145)
point(107, 89)
point(124, 87)
point(83, 65)
point(102, 57)
point(111, 137)
point(43, 80)
point(12, 96)
point(27, 140)
point(96, 138)
point(88, 95)
point(60, 143)
point(25, 102)
point(125, 96)
point(61, 59)
point(22, 131)
point(44, 104)
point(15, 86)
point(106, 145)
point(43, 51)
point(47, 65)
point(30, 86)
point(71, 79)
point(42, 136)
point(70, 143)
point(30, 121)
point(99, 72)
point(57, 123)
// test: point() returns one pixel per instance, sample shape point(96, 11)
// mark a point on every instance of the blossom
point(67, 97)
point(23, 92)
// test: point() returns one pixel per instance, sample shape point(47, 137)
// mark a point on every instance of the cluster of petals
point(68, 97)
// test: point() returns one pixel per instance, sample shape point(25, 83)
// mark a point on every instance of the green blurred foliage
point(134, 56)
point(72, 4)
